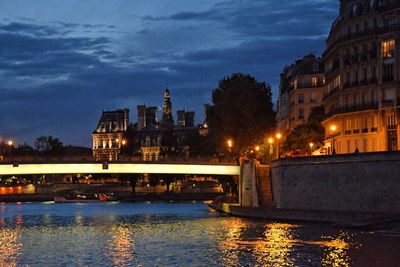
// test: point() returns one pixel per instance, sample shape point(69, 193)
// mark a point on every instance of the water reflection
point(230, 247)
point(67, 235)
point(10, 245)
point(336, 251)
point(121, 246)
point(276, 248)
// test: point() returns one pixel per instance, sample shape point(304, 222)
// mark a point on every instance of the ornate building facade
point(362, 64)
point(159, 139)
point(108, 138)
point(301, 89)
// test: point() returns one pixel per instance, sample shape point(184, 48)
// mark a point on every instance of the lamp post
point(333, 129)
point(230, 145)
point(311, 148)
point(278, 144)
point(271, 148)
point(9, 143)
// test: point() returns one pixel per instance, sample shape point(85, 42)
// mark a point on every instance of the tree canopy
point(242, 111)
point(49, 145)
point(311, 132)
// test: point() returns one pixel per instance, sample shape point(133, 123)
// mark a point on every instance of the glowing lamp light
point(278, 136)
point(230, 143)
point(257, 148)
point(10, 142)
point(270, 140)
point(333, 128)
point(311, 145)
point(123, 142)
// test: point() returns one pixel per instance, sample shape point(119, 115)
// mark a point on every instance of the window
point(314, 81)
point(336, 82)
point(301, 114)
point(315, 67)
point(301, 98)
point(391, 121)
point(295, 84)
point(388, 73)
point(388, 49)
point(313, 98)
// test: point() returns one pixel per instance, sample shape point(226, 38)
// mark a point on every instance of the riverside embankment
point(336, 189)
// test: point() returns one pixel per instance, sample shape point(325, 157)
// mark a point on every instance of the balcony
point(387, 104)
point(356, 131)
point(310, 85)
point(331, 93)
point(361, 34)
point(389, 6)
point(347, 132)
point(353, 108)
point(365, 130)
point(374, 129)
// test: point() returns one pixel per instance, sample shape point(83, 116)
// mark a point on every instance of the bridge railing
point(122, 159)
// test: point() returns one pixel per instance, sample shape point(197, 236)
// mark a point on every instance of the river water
point(176, 234)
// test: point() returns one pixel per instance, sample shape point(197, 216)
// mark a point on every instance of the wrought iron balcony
point(353, 108)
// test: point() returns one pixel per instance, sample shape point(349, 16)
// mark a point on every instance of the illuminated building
point(362, 64)
point(301, 89)
point(109, 135)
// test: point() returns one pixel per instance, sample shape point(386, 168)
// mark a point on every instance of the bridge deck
point(95, 167)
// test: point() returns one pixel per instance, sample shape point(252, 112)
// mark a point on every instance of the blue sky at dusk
point(64, 61)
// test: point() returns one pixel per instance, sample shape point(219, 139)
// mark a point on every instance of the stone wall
point(367, 182)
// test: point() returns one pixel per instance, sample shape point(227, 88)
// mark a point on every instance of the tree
point(311, 132)
point(242, 110)
point(49, 145)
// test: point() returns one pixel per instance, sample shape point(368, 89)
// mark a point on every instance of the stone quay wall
point(367, 182)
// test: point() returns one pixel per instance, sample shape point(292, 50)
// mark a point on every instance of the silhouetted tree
point(49, 146)
point(311, 132)
point(242, 110)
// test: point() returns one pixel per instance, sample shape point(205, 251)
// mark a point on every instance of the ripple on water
point(174, 235)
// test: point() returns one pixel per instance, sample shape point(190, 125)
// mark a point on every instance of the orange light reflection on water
point(10, 247)
point(122, 246)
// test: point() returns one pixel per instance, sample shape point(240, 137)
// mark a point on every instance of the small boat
point(77, 199)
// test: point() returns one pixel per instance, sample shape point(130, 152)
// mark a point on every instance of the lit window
point(388, 48)
point(314, 81)
point(391, 121)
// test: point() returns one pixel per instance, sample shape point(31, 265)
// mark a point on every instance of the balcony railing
point(387, 103)
point(331, 92)
point(389, 5)
point(353, 108)
point(361, 34)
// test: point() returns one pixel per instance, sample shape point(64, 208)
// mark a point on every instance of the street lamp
point(230, 144)
point(333, 129)
point(278, 138)
point(311, 148)
point(9, 143)
point(271, 148)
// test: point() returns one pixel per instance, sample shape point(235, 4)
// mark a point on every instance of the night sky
point(64, 61)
